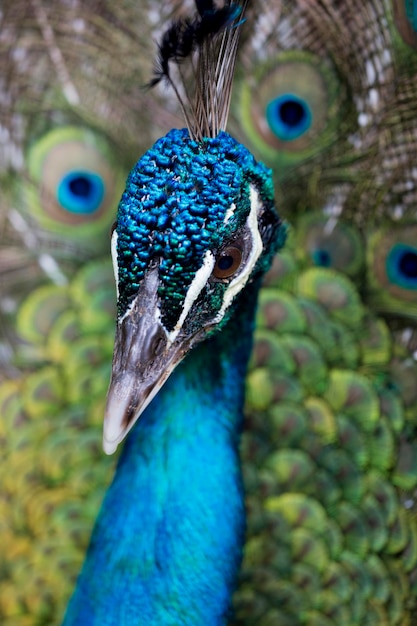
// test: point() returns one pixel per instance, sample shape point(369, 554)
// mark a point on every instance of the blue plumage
point(174, 207)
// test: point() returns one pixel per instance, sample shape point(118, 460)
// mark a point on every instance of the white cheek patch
point(114, 259)
point(198, 283)
point(229, 213)
point(240, 281)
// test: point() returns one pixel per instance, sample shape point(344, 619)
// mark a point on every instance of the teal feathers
point(328, 448)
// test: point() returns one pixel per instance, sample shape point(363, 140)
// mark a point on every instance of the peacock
point(325, 96)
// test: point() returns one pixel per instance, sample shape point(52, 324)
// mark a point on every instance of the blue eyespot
point(288, 116)
point(81, 191)
point(401, 266)
point(321, 258)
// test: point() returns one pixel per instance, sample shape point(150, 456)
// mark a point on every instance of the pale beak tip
point(113, 432)
point(114, 429)
point(109, 447)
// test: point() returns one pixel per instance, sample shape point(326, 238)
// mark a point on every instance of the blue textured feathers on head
point(174, 209)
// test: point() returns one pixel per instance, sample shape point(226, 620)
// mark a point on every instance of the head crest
point(203, 48)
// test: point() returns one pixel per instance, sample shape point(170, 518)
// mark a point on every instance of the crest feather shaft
point(203, 48)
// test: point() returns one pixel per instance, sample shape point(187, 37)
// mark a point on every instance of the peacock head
point(195, 224)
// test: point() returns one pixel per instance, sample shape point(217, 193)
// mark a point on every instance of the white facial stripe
point(128, 311)
point(240, 281)
point(229, 213)
point(114, 259)
point(200, 279)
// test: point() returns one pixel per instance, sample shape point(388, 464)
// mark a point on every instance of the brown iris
point(228, 262)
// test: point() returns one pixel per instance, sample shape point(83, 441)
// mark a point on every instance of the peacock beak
point(143, 359)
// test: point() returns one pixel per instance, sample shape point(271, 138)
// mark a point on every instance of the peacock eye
point(228, 262)
point(113, 228)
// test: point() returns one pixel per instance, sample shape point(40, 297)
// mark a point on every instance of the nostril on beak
point(157, 346)
point(157, 343)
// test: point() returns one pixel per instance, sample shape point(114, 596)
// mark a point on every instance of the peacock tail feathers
point(328, 456)
point(327, 105)
point(51, 431)
point(325, 96)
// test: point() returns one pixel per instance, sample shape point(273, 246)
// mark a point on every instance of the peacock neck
point(167, 545)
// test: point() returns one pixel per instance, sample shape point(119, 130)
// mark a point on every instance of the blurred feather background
point(326, 96)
